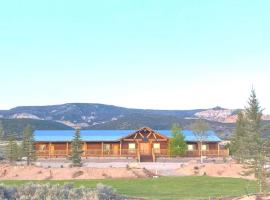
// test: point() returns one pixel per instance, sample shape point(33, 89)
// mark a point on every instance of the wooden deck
point(129, 153)
point(195, 153)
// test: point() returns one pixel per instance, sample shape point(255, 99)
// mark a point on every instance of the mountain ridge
point(103, 116)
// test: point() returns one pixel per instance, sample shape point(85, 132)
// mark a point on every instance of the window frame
point(133, 144)
point(193, 148)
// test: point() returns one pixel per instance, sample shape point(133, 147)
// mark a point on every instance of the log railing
point(88, 153)
point(195, 153)
point(129, 152)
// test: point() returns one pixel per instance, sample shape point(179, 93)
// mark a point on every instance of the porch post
point(50, 146)
point(67, 149)
point(218, 149)
point(84, 148)
point(102, 149)
point(120, 148)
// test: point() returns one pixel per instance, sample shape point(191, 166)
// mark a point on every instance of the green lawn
point(170, 187)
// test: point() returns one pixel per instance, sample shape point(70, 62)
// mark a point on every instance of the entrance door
point(115, 149)
point(145, 148)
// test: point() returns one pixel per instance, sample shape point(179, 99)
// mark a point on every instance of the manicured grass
point(169, 188)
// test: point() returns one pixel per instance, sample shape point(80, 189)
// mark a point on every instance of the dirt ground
point(120, 170)
point(8, 172)
point(231, 169)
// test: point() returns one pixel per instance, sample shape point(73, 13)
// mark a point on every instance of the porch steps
point(146, 158)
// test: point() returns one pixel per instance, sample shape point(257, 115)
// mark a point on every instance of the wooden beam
point(149, 135)
point(155, 136)
point(141, 135)
point(120, 148)
point(158, 140)
point(84, 148)
point(50, 145)
point(135, 136)
point(67, 149)
point(218, 149)
point(138, 151)
point(131, 140)
point(102, 150)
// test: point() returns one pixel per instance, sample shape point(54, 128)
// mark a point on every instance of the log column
point(218, 149)
point(102, 149)
point(84, 148)
point(120, 148)
point(50, 149)
point(67, 149)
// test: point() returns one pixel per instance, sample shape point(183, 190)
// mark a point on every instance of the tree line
point(26, 150)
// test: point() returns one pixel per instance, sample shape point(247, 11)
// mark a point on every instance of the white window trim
point(204, 147)
point(190, 147)
point(156, 145)
point(131, 146)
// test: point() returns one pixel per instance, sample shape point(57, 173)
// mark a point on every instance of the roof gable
point(145, 134)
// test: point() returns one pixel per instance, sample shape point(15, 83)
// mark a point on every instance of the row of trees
point(26, 150)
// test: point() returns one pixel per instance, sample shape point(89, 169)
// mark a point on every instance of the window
point(156, 145)
point(190, 147)
point(42, 147)
point(107, 147)
point(131, 146)
point(205, 147)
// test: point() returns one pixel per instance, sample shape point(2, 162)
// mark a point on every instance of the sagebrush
point(33, 191)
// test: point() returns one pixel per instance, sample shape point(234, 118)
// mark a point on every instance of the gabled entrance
point(145, 138)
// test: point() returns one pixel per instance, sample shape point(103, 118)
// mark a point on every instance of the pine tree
point(177, 143)
point(12, 150)
point(28, 148)
point(2, 132)
point(238, 141)
point(200, 128)
point(2, 148)
point(257, 150)
point(76, 149)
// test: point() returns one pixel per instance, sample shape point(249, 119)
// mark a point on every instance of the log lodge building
point(138, 144)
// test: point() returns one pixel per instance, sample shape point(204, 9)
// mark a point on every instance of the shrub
point(77, 174)
point(66, 192)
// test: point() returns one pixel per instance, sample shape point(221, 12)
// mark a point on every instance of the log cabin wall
point(212, 145)
point(94, 145)
point(59, 146)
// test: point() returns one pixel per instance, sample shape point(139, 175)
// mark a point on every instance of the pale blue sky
point(144, 54)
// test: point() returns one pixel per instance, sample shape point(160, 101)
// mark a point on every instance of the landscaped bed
point(169, 188)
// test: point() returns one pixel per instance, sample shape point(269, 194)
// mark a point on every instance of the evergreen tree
point(200, 128)
point(2, 147)
point(76, 149)
point(28, 148)
point(177, 143)
point(257, 150)
point(238, 143)
point(2, 132)
point(12, 150)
